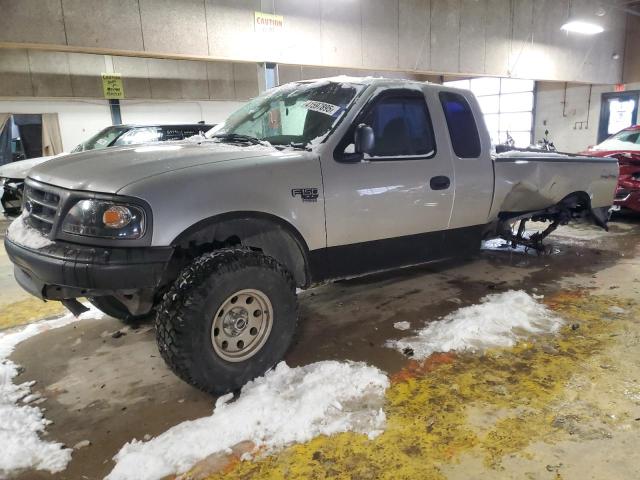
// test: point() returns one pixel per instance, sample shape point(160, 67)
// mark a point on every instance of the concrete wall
point(519, 38)
point(293, 73)
point(632, 51)
point(567, 123)
point(38, 73)
point(79, 119)
point(136, 111)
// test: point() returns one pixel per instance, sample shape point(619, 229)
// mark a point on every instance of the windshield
point(139, 135)
point(294, 114)
point(100, 140)
point(624, 140)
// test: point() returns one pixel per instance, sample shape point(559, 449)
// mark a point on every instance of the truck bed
point(529, 181)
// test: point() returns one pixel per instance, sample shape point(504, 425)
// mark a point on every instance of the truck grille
point(42, 206)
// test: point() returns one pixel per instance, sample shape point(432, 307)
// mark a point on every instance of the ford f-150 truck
point(311, 181)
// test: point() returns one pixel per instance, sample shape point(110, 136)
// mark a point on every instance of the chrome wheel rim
point(242, 325)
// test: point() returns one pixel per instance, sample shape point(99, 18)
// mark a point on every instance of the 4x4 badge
point(306, 194)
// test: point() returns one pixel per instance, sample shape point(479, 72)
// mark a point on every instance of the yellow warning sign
point(265, 22)
point(112, 85)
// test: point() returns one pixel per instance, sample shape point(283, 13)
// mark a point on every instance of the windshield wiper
point(237, 137)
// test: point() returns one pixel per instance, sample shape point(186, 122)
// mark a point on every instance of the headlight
point(3, 180)
point(100, 218)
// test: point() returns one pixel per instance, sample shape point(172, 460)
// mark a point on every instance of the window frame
point(441, 95)
point(348, 137)
point(496, 134)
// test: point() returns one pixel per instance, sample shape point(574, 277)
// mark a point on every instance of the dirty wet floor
point(533, 411)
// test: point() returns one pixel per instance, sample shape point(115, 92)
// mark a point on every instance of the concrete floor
point(451, 417)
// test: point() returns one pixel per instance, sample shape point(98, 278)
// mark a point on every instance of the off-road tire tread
point(174, 312)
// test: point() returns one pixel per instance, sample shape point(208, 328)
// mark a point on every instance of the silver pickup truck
point(311, 181)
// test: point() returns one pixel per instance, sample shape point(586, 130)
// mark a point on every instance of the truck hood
point(111, 169)
point(20, 169)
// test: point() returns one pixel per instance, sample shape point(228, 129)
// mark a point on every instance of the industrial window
point(401, 126)
point(507, 105)
point(463, 131)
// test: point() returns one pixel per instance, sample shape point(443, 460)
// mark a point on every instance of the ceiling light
point(578, 26)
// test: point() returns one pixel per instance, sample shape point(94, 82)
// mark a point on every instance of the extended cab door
point(392, 208)
point(469, 147)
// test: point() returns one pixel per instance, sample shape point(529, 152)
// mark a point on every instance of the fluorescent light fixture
point(578, 26)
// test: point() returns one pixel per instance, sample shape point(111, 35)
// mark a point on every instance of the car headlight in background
point(105, 219)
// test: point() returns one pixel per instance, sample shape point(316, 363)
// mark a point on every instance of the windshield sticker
point(322, 107)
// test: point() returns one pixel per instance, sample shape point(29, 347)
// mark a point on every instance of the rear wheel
point(229, 317)
point(114, 308)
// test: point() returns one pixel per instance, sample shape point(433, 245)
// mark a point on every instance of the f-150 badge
point(306, 194)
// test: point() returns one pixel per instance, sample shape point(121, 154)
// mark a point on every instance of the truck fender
point(268, 233)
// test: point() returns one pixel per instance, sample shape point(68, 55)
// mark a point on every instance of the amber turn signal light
point(116, 216)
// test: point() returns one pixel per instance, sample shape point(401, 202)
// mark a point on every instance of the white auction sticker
point(321, 107)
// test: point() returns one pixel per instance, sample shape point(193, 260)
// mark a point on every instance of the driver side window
point(401, 126)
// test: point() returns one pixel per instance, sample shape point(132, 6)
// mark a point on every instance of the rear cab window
point(462, 126)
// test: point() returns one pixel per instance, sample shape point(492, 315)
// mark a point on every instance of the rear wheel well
point(575, 204)
point(577, 201)
point(265, 233)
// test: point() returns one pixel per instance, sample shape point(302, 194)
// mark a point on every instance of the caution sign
point(265, 22)
point(112, 85)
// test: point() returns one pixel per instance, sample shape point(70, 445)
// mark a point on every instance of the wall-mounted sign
point(266, 22)
point(112, 85)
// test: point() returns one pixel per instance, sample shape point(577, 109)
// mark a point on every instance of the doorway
point(618, 111)
point(21, 138)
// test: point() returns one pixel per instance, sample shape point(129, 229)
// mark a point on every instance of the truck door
point(392, 208)
point(469, 147)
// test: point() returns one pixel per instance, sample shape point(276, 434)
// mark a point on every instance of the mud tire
point(184, 318)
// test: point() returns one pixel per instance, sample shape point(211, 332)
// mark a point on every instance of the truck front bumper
point(64, 270)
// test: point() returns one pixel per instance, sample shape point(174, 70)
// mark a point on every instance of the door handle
point(440, 182)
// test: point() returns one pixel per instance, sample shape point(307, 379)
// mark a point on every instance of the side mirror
point(363, 142)
point(364, 139)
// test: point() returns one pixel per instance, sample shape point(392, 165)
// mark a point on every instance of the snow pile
point(197, 138)
point(284, 406)
point(500, 320)
point(20, 425)
point(404, 325)
point(21, 233)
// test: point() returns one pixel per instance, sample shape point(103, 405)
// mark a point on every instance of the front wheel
point(229, 317)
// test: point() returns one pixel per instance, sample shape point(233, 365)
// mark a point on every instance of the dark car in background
point(12, 175)
point(624, 146)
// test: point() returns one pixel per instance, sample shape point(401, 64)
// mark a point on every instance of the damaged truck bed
point(551, 186)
